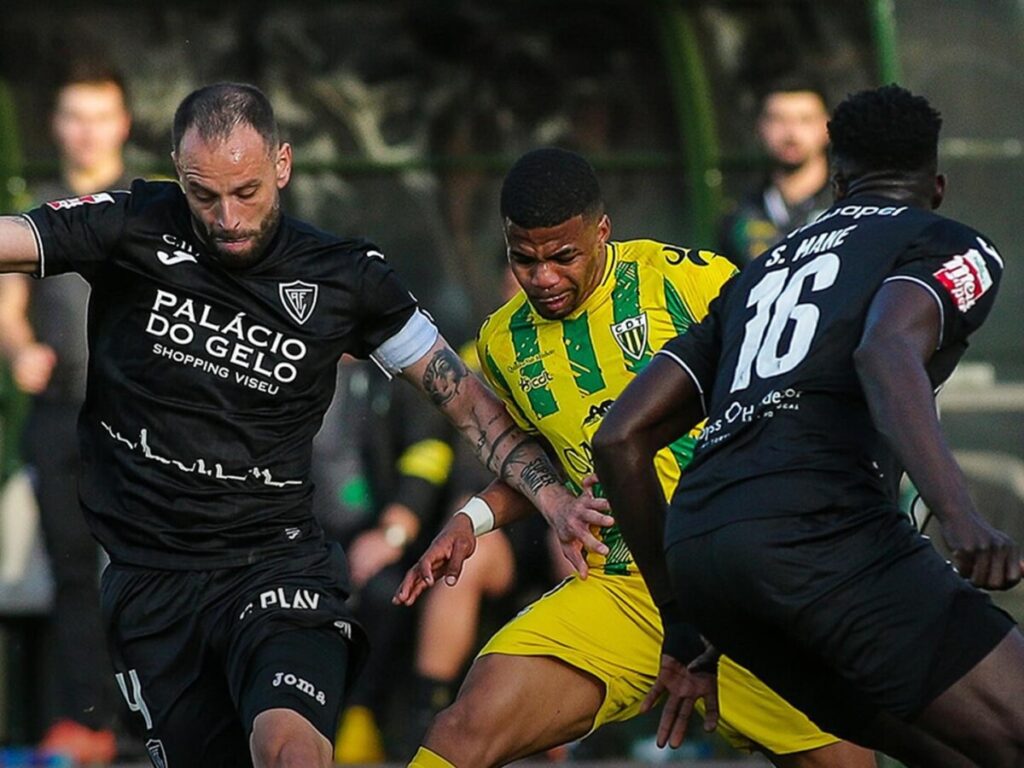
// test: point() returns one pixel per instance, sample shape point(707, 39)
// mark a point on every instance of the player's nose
point(544, 276)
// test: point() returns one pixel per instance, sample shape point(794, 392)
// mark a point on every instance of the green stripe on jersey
point(579, 347)
point(495, 369)
point(626, 306)
point(533, 376)
point(681, 317)
point(682, 450)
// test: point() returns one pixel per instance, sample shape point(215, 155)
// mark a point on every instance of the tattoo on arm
point(534, 475)
point(537, 474)
point(444, 373)
point(497, 441)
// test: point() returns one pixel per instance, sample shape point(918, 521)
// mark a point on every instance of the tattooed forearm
point(444, 373)
point(534, 472)
point(489, 461)
point(538, 474)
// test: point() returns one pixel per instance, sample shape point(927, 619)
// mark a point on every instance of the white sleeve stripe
point(39, 244)
point(938, 301)
point(408, 345)
point(689, 372)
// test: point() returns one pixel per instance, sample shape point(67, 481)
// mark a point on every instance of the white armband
point(480, 514)
point(408, 345)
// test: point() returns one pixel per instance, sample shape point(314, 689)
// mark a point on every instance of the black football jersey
point(206, 384)
point(788, 428)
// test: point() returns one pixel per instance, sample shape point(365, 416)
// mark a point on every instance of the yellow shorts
point(609, 627)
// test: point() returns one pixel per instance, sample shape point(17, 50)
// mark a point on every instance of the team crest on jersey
point(299, 299)
point(631, 335)
point(74, 202)
point(157, 754)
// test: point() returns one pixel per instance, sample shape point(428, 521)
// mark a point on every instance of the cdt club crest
point(631, 335)
point(299, 299)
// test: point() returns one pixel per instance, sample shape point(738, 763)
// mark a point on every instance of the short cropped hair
point(794, 82)
point(88, 70)
point(548, 186)
point(216, 110)
point(886, 128)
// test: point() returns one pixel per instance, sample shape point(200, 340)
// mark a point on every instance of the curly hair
point(548, 186)
point(887, 128)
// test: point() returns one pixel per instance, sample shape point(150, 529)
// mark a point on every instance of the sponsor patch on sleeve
point(965, 278)
point(74, 202)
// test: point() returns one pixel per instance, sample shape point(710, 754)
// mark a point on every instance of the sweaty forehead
point(242, 145)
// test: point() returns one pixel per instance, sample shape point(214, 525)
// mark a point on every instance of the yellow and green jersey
point(558, 378)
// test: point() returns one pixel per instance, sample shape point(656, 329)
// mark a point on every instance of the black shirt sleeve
point(697, 350)
point(960, 269)
point(79, 233)
point(385, 305)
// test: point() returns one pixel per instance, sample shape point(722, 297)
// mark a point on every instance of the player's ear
point(283, 165)
point(604, 228)
point(840, 186)
point(940, 190)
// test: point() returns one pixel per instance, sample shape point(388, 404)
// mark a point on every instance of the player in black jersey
point(816, 369)
point(215, 325)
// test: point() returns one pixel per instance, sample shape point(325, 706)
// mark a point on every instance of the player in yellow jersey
point(591, 315)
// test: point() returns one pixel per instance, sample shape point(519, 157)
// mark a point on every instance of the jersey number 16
point(776, 298)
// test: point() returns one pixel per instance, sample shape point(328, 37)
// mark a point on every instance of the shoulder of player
point(664, 258)
point(499, 323)
point(328, 252)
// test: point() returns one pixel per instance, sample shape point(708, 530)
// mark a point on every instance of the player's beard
point(259, 238)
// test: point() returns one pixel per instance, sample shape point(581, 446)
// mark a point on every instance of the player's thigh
point(754, 717)
point(167, 673)
point(605, 626)
point(783, 665)
point(514, 706)
point(303, 670)
point(981, 714)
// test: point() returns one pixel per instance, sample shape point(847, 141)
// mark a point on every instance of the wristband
point(682, 641)
point(480, 514)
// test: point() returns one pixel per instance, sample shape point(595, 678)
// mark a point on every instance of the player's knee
point(282, 742)
point(457, 730)
point(291, 752)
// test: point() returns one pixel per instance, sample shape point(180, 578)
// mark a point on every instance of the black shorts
point(843, 612)
point(199, 654)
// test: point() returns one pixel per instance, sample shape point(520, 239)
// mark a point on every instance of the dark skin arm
point(658, 406)
point(900, 337)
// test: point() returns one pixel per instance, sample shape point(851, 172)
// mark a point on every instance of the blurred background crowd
point(706, 123)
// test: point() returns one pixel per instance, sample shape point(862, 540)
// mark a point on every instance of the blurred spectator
point(792, 128)
point(42, 333)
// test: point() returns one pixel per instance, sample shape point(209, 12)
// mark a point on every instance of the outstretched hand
point(443, 558)
point(682, 686)
point(572, 526)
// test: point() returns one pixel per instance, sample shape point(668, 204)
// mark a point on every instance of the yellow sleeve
point(699, 283)
point(492, 374)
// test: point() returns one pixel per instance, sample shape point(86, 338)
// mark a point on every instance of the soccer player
point(591, 315)
point(215, 325)
point(792, 128)
point(815, 369)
